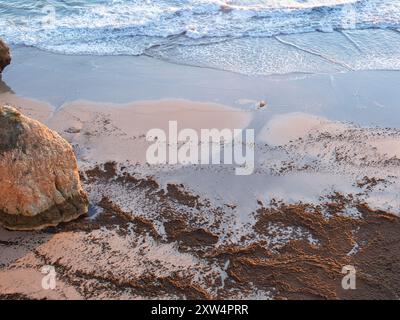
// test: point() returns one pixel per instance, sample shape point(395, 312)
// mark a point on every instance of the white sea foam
point(189, 31)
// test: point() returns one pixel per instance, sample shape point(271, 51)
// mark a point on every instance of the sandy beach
point(324, 193)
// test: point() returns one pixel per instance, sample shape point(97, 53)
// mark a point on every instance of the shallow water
point(367, 98)
point(255, 37)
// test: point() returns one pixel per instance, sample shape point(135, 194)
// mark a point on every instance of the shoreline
point(366, 98)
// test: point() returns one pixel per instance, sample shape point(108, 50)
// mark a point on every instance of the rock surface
point(40, 185)
point(5, 55)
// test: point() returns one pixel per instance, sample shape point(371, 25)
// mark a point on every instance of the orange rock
point(5, 55)
point(39, 176)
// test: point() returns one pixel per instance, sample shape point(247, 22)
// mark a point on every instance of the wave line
point(320, 55)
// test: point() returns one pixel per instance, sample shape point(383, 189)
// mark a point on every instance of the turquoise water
point(256, 37)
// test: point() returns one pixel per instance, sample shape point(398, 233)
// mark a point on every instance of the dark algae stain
point(10, 129)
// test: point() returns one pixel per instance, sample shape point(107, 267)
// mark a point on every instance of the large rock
point(5, 55)
point(39, 178)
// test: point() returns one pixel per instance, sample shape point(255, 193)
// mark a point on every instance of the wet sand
point(324, 195)
point(367, 98)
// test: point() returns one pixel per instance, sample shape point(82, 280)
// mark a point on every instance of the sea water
point(255, 37)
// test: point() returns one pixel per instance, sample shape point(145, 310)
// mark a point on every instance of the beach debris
point(5, 55)
point(262, 104)
point(225, 8)
point(72, 130)
point(40, 184)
